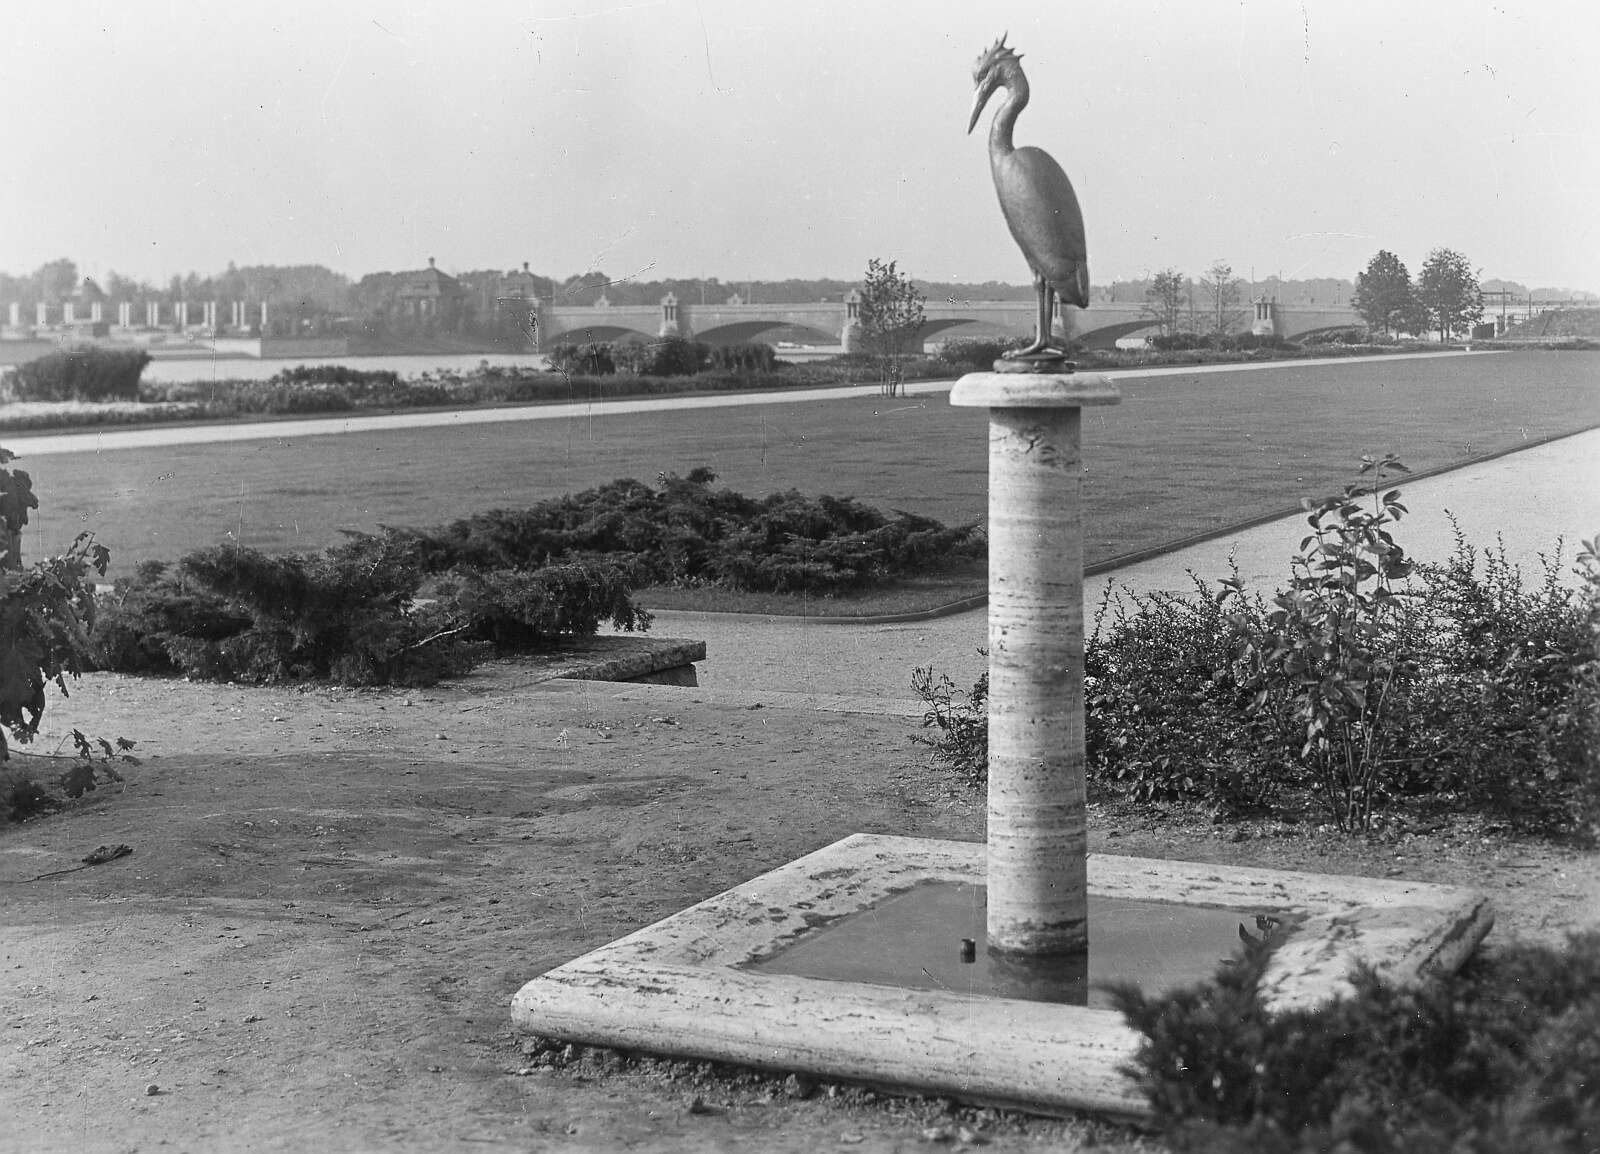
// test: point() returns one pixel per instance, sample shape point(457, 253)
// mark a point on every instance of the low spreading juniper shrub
point(350, 614)
point(1503, 1056)
point(790, 543)
point(231, 613)
point(685, 532)
point(519, 609)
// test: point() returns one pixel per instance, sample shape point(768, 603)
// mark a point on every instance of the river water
point(223, 368)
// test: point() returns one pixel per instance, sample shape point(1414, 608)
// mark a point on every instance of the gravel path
point(1529, 499)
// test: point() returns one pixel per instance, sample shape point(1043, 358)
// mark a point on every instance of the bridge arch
point(584, 334)
point(742, 332)
point(966, 328)
point(1106, 336)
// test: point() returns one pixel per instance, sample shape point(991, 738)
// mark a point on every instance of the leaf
point(78, 780)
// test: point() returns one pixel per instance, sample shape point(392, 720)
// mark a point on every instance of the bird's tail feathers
point(1076, 292)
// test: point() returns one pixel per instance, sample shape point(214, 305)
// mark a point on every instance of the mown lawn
point(1183, 454)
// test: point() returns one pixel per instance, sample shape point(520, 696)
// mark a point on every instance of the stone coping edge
point(680, 987)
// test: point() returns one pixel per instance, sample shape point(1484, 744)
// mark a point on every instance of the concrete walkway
point(1529, 499)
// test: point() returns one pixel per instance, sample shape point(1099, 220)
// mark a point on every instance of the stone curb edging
point(1099, 568)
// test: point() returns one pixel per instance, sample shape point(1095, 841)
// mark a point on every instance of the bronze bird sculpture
point(1036, 197)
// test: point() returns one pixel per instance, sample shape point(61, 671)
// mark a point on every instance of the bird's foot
point(1039, 357)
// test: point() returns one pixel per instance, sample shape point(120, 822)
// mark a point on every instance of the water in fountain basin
point(915, 940)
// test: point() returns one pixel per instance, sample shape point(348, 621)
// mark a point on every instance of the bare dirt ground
point(332, 896)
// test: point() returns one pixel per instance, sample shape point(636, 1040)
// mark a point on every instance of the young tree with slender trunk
point(891, 321)
point(1221, 290)
point(1163, 300)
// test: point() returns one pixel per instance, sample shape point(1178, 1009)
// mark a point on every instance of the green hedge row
point(85, 373)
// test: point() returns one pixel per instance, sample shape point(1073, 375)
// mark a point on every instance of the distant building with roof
point(429, 296)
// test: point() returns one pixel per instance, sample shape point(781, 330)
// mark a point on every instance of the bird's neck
point(1006, 119)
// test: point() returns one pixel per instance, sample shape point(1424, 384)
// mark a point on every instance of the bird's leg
point(1041, 331)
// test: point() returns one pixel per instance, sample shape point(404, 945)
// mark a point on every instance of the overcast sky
point(773, 138)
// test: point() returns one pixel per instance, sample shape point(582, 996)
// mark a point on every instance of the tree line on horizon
point(314, 297)
point(1446, 296)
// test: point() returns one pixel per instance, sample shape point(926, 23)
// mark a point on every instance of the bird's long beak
point(979, 99)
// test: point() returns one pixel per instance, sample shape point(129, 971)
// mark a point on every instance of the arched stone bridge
point(835, 323)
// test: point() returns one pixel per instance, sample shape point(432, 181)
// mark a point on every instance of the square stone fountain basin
point(746, 976)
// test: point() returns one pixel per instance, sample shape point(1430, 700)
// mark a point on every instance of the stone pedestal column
point(41, 314)
point(1037, 838)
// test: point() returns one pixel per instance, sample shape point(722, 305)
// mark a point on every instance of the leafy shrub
point(1250, 342)
point(592, 359)
point(1346, 336)
point(1503, 1056)
point(46, 614)
point(1163, 717)
point(1335, 643)
point(295, 399)
point(1178, 342)
point(335, 375)
point(86, 373)
point(962, 719)
point(1462, 685)
point(750, 357)
point(630, 355)
point(677, 357)
point(976, 354)
point(1505, 717)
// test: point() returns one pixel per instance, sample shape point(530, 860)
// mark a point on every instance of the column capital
point(1034, 390)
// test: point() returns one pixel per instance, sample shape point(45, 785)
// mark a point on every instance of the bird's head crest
point(996, 55)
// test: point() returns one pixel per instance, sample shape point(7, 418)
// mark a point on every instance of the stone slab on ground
point(619, 657)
